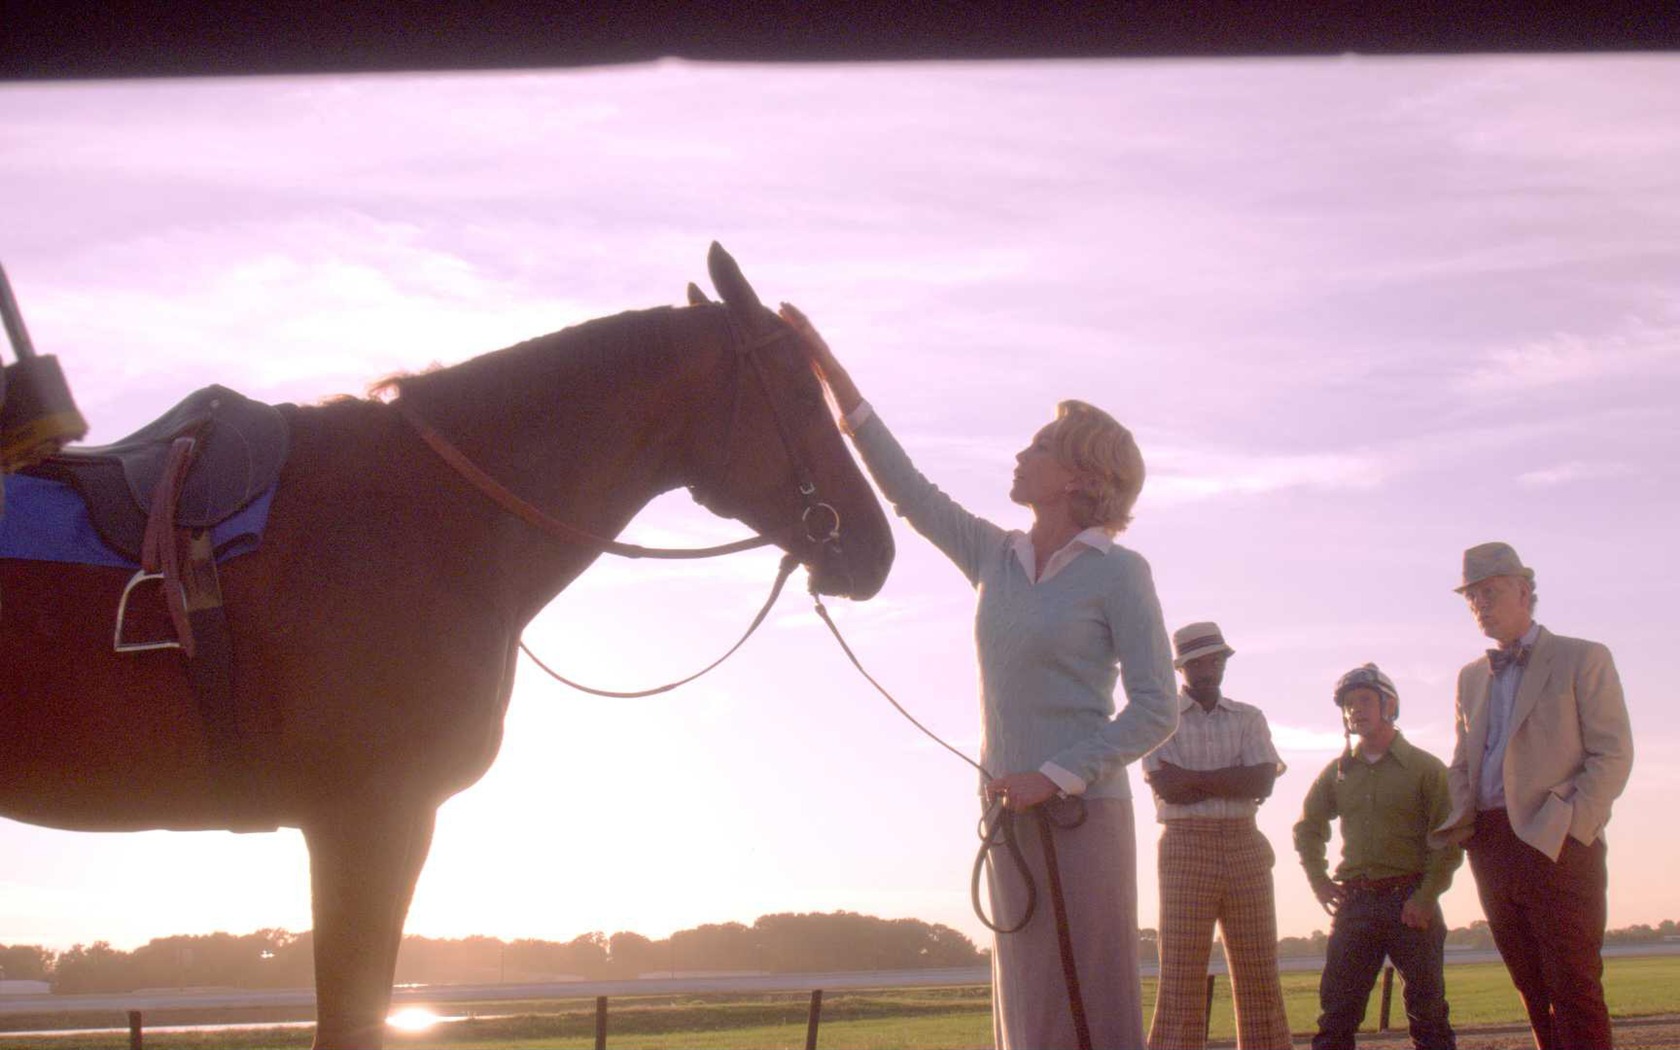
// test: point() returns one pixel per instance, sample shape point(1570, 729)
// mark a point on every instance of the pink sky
point(1361, 314)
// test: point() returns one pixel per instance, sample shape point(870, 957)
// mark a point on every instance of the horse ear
point(727, 279)
point(695, 296)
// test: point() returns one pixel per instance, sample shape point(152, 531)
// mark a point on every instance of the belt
point(1218, 825)
point(1397, 882)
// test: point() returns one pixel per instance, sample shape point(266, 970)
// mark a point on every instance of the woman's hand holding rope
point(1021, 791)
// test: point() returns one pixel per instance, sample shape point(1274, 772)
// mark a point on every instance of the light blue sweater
point(1050, 652)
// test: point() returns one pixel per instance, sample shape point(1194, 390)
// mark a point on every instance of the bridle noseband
point(825, 530)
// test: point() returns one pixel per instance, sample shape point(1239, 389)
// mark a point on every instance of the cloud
point(339, 300)
point(1574, 470)
point(1188, 477)
point(1639, 350)
point(1296, 740)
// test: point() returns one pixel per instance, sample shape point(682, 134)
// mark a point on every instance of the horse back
point(369, 655)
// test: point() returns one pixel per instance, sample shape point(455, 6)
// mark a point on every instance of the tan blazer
point(1569, 753)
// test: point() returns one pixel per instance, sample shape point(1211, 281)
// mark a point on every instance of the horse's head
point(778, 462)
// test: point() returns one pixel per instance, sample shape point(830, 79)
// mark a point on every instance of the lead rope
point(998, 824)
point(1064, 936)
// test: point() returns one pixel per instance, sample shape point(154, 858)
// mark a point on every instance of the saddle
point(239, 446)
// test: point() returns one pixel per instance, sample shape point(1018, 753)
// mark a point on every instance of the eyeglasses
point(1484, 592)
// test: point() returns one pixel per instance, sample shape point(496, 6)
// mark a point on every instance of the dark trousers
point(1547, 919)
point(1366, 928)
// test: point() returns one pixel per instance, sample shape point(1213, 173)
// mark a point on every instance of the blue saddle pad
point(47, 521)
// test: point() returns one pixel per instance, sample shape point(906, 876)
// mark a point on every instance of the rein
point(819, 519)
point(789, 563)
point(508, 501)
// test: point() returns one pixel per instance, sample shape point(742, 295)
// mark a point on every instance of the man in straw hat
point(1209, 779)
point(1388, 794)
point(1543, 748)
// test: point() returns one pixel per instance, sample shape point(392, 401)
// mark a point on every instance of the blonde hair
point(1105, 457)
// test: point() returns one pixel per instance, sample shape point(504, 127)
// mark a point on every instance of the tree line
point(275, 958)
point(783, 943)
point(1477, 936)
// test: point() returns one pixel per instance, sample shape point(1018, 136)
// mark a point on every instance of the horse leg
point(363, 865)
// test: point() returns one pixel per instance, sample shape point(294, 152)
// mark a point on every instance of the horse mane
point(628, 347)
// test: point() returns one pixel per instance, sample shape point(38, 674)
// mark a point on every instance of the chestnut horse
point(375, 630)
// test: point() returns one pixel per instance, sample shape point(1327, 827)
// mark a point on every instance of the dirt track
point(1640, 1033)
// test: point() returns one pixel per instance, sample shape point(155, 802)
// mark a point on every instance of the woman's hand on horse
point(1021, 790)
point(822, 359)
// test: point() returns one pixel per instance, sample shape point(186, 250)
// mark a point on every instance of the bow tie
point(1499, 659)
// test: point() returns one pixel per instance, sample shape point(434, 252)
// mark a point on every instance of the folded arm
point(1179, 785)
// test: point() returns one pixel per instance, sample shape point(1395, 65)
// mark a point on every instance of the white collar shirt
point(1093, 538)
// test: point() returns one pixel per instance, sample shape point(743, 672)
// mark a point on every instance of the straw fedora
point(1198, 639)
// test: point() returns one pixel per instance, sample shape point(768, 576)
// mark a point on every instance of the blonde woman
point(1064, 612)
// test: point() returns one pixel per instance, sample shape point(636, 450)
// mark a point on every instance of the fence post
point(600, 1022)
point(1207, 1010)
point(812, 1018)
point(134, 1030)
point(1387, 997)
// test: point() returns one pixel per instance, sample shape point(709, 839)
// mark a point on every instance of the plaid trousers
point(1217, 871)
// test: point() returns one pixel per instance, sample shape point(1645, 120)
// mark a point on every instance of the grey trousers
point(1098, 862)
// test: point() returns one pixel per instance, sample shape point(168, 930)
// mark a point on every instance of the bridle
point(818, 518)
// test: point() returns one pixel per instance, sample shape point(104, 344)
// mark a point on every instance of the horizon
point(1360, 313)
point(1309, 936)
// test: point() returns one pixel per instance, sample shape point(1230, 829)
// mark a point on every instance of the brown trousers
point(1217, 871)
point(1547, 918)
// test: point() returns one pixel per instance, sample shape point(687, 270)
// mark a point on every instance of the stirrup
point(117, 644)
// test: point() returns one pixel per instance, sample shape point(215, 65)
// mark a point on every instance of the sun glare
point(413, 1019)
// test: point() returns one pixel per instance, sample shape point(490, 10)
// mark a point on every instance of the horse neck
point(588, 425)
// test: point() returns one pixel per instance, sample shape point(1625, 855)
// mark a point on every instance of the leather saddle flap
point(242, 445)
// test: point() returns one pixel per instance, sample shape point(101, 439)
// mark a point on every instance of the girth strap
point(231, 750)
point(192, 594)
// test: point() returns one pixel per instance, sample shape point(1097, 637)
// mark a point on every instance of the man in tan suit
point(1543, 748)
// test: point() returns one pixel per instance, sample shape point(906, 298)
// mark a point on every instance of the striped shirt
point(1232, 734)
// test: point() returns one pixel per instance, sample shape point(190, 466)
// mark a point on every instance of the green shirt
point(1387, 808)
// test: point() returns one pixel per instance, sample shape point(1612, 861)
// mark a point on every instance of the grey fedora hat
point(1486, 560)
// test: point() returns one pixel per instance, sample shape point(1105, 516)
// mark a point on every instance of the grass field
point(929, 1019)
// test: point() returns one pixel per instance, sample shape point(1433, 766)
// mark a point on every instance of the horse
point(375, 629)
